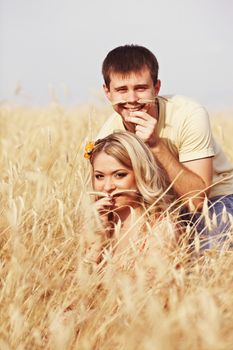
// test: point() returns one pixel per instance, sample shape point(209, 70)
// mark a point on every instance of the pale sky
point(59, 45)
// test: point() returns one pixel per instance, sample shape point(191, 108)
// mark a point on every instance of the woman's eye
point(99, 177)
point(120, 175)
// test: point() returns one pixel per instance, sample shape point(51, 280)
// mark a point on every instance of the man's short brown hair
point(129, 58)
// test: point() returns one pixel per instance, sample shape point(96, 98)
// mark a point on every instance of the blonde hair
point(134, 154)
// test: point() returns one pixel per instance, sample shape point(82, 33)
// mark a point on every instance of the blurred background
point(53, 49)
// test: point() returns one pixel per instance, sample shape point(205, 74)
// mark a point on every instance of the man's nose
point(109, 185)
point(132, 96)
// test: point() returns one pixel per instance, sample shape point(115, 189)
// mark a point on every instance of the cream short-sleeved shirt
point(185, 128)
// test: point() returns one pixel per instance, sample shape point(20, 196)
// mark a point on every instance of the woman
point(131, 193)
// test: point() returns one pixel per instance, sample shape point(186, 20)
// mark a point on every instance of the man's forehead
point(123, 76)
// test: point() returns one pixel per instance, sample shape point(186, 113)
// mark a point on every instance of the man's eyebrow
point(125, 86)
point(141, 85)
point(120, 87)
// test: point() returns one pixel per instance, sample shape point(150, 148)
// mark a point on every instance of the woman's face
point(111, 176)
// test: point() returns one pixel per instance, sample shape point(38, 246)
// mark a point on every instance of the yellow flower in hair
point(88, 149)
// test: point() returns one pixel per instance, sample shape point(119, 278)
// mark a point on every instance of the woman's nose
point(109, 185)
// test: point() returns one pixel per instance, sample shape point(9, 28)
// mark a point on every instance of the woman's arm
point(105, 230)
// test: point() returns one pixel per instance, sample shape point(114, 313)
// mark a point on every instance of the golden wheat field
point(51, 297)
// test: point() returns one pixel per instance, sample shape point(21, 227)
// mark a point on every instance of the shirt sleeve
point(196, 139)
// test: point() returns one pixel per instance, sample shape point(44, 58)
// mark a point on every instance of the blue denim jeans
point(215, 228)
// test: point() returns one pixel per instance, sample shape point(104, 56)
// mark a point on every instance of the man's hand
point(145, 126)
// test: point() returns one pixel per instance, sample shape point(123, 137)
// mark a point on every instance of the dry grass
point(51, 297)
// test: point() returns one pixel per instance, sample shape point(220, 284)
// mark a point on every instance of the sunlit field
point(52, 295)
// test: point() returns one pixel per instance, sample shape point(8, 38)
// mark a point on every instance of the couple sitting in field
point(170, 140)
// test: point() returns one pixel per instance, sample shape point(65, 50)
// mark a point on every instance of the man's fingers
point(140, 114)
point(145, 126)
point(144, 135)
point(141, 118)
point(135, 120)
point(143, 122)
point(139, 128)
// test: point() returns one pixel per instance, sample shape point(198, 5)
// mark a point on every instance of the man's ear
point(157, 87)
point(107, 92)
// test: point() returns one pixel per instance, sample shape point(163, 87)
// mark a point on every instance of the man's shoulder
point(114, 122)
point(180, 109)
point(180, 101)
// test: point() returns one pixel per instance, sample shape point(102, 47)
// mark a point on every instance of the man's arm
point(192, 178)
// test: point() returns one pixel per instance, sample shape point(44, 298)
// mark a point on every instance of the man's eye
point(122, 90)
point(142, 88)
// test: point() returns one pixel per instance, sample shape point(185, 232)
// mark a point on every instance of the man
point(176, 128)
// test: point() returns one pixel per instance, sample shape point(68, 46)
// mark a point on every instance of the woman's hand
point(104, 206)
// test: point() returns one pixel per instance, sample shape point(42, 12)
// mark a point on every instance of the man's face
point(132, 92)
